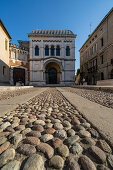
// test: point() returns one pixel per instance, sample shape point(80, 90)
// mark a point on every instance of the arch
point(57, 50)
point(36, 51)
point(53, 72)
point(67, 51)
point(53, 60)
point(46, 50)
point(52, 50)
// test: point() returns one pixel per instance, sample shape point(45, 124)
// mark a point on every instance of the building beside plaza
point(4, 54)
point(48, 57)
point(18, 63)
point(96, 54)
point(51, 57)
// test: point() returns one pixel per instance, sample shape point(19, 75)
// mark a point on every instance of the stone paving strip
point(101, 97)
point(12, 93)
point(47, 132)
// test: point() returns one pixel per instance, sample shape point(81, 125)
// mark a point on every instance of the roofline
point(5, 29)
point(52, 35)
point(97, 27)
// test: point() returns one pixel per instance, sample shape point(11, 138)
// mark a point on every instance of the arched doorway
point(53, 73)
point(52, 76)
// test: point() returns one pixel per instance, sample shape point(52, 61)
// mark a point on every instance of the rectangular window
point(96, 47)
point(4, 71)
point(14, 54)
point(101, 59)
point(93, 49)
point(18, 55)
point(90, 51)
point(102, 42)
point(5, 44)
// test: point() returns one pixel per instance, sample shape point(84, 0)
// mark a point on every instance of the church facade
point(51, 57)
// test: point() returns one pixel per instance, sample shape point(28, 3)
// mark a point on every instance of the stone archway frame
point(56, 61)
point(11, 74)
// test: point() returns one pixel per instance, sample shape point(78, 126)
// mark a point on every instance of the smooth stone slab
point(26, 149)
point(34, 134)
point(61, 134)
point(46, 137)
point(73, 139)
point(63, 150)
point(58, 126)
point(84, 133)
point(39, 122)
point(86, 163)
point(17, 139)
point(104, 146)
point(56, 142)
point(56, 161)
point(5, 125)
point(98, 154)
point(110, 160)
point(27, 130)
point(4, 146)
point(72, 164)
point(76, 149)
point(89, 141)
point(32, 140)
point(13, 165)
point(46, 149)
point(6, 156)
point(38, 128)
point(2, 140)
point(50, 131)
point(94, 133)
point(102, 167)
point(34, 162)
point(71, 132)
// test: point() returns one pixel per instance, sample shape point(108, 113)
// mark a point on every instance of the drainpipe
point(107, 48)
point(32, 61)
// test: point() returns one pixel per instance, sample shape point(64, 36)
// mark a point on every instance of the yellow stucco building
point(4, 54)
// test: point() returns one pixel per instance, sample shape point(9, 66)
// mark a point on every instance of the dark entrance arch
point(52, 76)
point(52, 72)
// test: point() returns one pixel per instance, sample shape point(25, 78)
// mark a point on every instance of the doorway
point(52, 76)
point(18, 75)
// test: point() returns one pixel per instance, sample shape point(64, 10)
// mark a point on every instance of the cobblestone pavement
point(47, 132)
point(100, 97)
point(9, 94)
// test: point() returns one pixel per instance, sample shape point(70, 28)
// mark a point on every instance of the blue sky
point(22, 16)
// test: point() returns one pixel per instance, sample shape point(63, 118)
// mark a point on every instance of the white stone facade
point(65, 65)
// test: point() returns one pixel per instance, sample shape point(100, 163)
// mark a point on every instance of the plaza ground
point(63, 113)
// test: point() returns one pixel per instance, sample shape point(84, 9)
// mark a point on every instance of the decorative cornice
point(42, 59)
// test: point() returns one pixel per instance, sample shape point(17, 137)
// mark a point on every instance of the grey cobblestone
point(51, 130)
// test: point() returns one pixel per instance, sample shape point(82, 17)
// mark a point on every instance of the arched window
point(52, 50)
point(36, 51)
point(67, 51)
point(57, 50)
point(46, 50)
